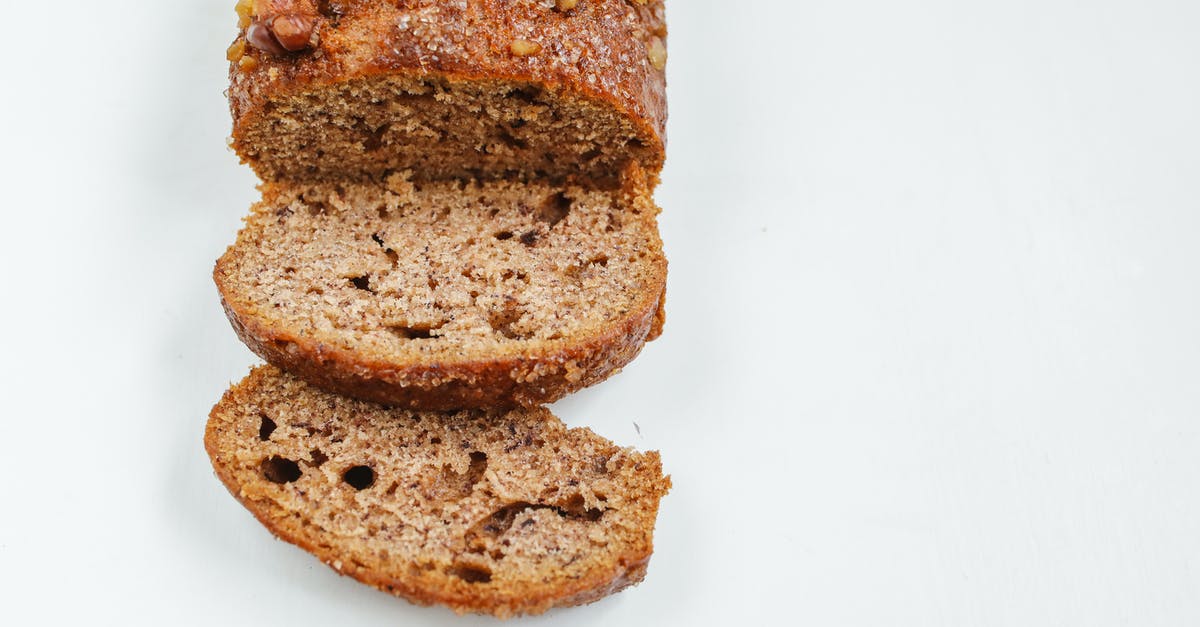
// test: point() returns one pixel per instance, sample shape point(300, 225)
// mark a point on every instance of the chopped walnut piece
point(293, 32)
point(656, 51)
point(525, 48)
point(245, 12)
point(236, 50)
point(260, 36)
point(279, 26)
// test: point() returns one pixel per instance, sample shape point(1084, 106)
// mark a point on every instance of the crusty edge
point(629, 570)
point(538, 377)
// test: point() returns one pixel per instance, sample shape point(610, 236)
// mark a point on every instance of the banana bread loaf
point(516, 89)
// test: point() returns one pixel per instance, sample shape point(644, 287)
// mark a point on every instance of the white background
point(933, 355)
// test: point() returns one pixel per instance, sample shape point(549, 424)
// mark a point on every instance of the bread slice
point(448, 295)
point(471, 89)
point(483, 511)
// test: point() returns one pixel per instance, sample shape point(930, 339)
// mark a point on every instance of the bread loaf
point(516, 89)
point(457, 223)
point(484, 511)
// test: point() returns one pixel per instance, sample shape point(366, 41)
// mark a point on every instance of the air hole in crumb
point(433, 283)
point(435, 441)
point(363, 283)
point(470, 574)
point(423, 331)
point(318, 457)
point(529, 238)
point(599, 260)
point(392, 256)
point(265, 428)
point(574, 507)
point(479, 464)
point(500, 521)
point(527, 94)
point(359, 477)
point(635, 142)
point(592, 154)
point(377, 239)
point(509, 140)
point(503, 235)
point(492, 527)
point(504, 322)
point(280, 469)
point(374, 141)
point(554, 209)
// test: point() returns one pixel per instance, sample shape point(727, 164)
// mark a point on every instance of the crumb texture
point(516, 89)
point(499, 512)
point(515, 292)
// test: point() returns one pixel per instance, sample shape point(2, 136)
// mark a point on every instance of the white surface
point(932, 358)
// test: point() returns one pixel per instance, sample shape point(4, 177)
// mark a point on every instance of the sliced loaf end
point(491, 512)
point(466, 89)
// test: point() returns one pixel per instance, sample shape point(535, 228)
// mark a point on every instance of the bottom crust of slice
point(484, 511)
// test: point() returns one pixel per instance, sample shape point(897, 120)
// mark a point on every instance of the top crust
point(605, 54)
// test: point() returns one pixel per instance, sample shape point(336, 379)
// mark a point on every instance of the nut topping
point(525, 48)
point(293, 32)
point(245, 12)
point(656, 51)
point(261, 37)
point(236, 50)
point(279, 26)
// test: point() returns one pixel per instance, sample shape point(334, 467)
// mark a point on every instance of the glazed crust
point(628, 570)
point(597, 51)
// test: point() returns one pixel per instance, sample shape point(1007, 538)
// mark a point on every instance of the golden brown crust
point(607, 51)
point(527, 597)
point(541, 376)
